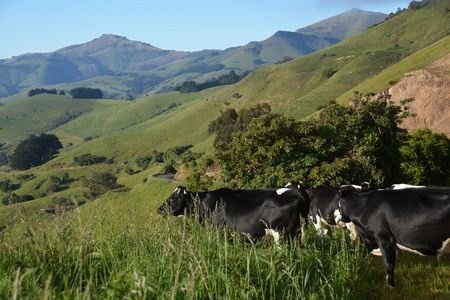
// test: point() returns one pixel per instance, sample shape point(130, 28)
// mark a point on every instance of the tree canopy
point(86, 93)
point(35, 151)
point(347, 145)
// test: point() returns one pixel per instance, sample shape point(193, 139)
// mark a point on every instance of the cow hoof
point(390, 282)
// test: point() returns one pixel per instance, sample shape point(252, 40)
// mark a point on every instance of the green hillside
point(299, 87)
point(117, 246)
point(365, 62)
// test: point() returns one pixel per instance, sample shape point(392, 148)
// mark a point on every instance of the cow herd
point(402, 217)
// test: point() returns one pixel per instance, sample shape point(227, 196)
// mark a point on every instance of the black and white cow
point(324, 208)
point(401, 186)
point(414, 219)
point(252, 213)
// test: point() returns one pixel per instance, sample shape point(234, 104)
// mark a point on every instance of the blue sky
point(47, 25)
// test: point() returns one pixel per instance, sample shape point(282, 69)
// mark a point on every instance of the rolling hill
point(367, 62)
point(406, 56)
point(119, 66)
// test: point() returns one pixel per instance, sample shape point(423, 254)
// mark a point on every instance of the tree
point(224, 126)
point(38, 91)
point(230, 121)
point(273, 150)
point(99, 184)
point(35, 151)
point(87, 159)
point(199, 182)
point(347, 145)
point(86, 93)
point(372, 129)
point(426, 158)
point(188, 87)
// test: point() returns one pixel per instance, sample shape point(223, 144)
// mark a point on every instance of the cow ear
point(345, 190)
point(181, 189)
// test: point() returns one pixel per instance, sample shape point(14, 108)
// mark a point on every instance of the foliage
point(86, 93)
point(174, 152)
point(99, 184)
point(155, 156)
point(199, 182)
point(188, 87)
point(3, 158)
point(52, 188)
point(87, 159)
point(6, 185)
point(55, 179)
point(372, 129)
point(169, 168)
point(348, 145)
point(12, 198)
point(285, 59)
point(225, 79)
point(128, 97)
point(231, 121)
point(129, 170)
point(38, 91)
point(426, 158)
point(328, 73)
point(272, 151)
point(60, 203)
point(35, 151)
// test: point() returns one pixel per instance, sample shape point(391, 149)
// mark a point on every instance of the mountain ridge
point(111, 54)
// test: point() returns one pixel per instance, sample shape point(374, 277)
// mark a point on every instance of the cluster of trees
point(38, 91)
point(12, 198)
point(174, 155)
point(347, 145)
point(86, 93)
point(192, 86)
point(99, 184)
point(34, 151)
point(88, 159)
point(230, 121)
point(285, 59)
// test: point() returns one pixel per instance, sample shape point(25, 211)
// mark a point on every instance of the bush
point(52, 188)
point(59, 203)
point(129, 170)
point(328, 73)
point(87, 159)
point(169, 169)
point(99, 184)
point(14, 199)
point(199, 182)
point(89, 93)
point(6, 185)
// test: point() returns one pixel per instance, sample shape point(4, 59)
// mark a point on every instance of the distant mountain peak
point(344, 25)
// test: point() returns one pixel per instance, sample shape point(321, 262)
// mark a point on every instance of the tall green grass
point(93, 257)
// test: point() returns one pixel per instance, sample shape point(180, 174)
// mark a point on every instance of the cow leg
point(388, 252)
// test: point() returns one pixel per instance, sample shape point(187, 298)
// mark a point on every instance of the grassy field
point(118, 247)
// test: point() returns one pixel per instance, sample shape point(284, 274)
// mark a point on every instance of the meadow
point(118, 247)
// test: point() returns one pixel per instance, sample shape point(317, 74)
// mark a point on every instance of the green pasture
point(118, 246)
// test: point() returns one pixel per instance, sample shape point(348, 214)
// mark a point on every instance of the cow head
point(176, 203)
point(343, 192)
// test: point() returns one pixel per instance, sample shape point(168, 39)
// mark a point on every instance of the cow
point(324, 208)
point(413, 219)
point(252, 213)
point(401, 186)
